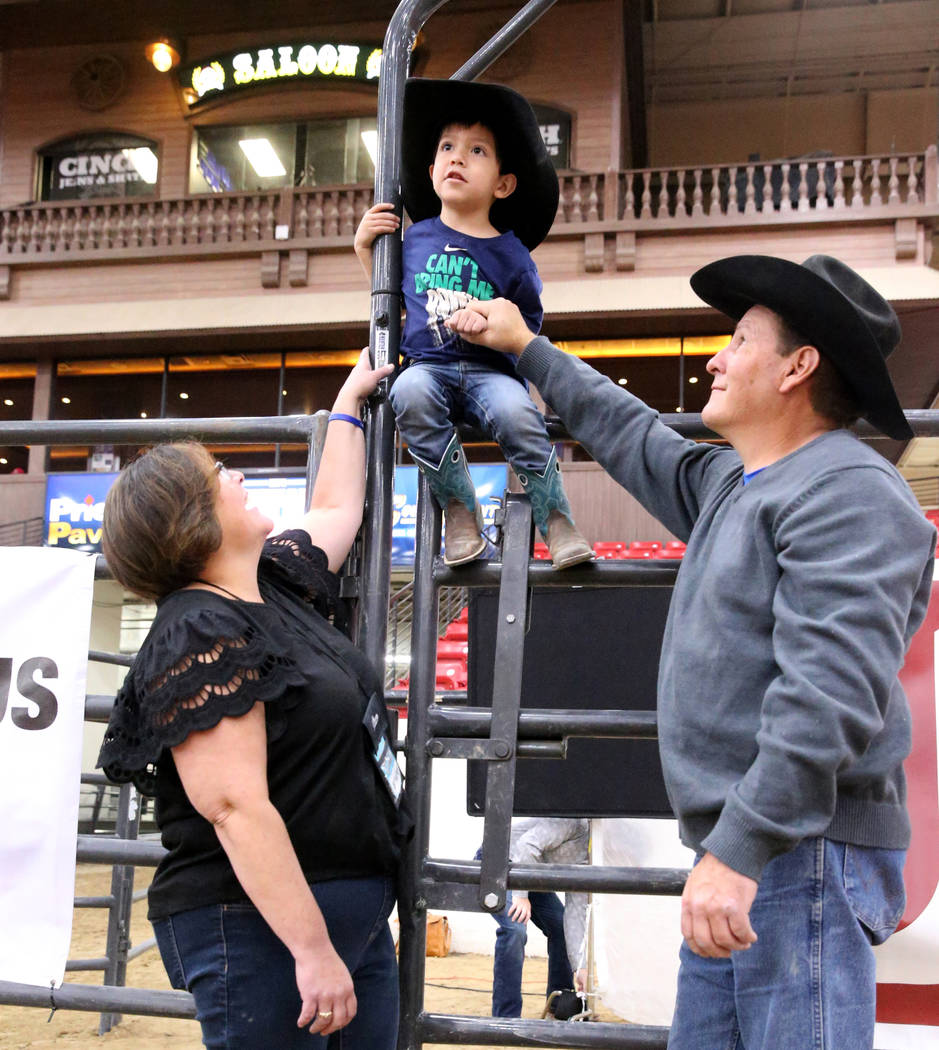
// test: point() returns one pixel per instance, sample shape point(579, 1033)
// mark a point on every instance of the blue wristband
point(354, 420)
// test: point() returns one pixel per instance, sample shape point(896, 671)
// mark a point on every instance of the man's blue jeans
point(808, 983)
point(244, 981)
point(547, 913)
point(430, 399)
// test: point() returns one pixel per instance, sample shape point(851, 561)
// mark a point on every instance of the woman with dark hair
point(262, 732)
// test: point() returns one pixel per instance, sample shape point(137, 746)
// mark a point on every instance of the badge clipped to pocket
point(376, 726)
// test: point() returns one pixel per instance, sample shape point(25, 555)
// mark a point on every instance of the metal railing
point(324, 218)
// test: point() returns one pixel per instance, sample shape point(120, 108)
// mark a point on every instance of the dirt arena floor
point(456, 984)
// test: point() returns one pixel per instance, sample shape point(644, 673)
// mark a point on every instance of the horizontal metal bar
point(96, 998)
point(93, 902)
point(139, 949)
point(647, 572)
point(120, 659)
point(656, 882)
point(139, 895)
point(93, 849)
point(506, 1031)
point(240, 429)
point(94, 778)
point(545, 723)
point(98, 707)
point(78, 965)
point(542, 749)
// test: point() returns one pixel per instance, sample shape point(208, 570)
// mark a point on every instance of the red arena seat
point(451, 675)
point(645, 545)
point(609, 549)
point(674, 553)
point(457, 631)
point(540, 552)
point(637, 554)
point(454, 651)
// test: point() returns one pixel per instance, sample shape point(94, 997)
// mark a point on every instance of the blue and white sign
point(75, 505)
point(75, 510)
point(489, 479)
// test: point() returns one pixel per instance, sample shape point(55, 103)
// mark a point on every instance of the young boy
point(491, 197)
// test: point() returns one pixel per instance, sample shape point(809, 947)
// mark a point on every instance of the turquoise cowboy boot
point(552, 514)
point(453, 490)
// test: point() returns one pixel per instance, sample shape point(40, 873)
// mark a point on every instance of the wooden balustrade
point(781, 191)
point(785, 189)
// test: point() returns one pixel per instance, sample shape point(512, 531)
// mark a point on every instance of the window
point(103, 164)
point(267, 156)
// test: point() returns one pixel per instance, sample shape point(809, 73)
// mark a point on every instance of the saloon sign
point(278, 63)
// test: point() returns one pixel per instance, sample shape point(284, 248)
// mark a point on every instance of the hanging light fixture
point(164, 54)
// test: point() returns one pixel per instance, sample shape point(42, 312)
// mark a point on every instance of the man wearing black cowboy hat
point(481, 190)
point(782, 723)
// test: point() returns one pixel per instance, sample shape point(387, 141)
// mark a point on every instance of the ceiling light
point(262, 158)
point(66, 400)
point(370, 141)
point(164, 54)
point(8, 401)
point(183, 395)
point(3, 461)
point(284, 392)
point(692, 379)
point(622, 381)
point(143, 415)
point(144, 162)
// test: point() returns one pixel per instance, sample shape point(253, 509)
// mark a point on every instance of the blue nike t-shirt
point(443, 271)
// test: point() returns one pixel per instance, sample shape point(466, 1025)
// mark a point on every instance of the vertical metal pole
point(280, 401)
point(122, 894)
point(384, 333)
point(412, 910)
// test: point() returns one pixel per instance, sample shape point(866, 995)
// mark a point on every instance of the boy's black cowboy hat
point(832, 308)
point(430, 105)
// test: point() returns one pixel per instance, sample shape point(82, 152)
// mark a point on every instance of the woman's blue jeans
point(808, 983)
point(547, 913)
point(430, 399)
point(243, 977)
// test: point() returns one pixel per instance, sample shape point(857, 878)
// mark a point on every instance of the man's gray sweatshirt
point(780, 712)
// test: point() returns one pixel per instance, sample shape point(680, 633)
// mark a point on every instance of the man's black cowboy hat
point(430, 105)
point(831, 307)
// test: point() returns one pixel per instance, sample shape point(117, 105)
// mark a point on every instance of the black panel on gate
point(586, 649)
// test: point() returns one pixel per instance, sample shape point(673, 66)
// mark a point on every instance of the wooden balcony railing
point(323, 218)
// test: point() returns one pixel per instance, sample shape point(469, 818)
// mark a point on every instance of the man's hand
point(496, 323)
point(519, 909)
point(715, 909)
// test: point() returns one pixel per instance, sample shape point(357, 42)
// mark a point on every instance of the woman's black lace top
point(207, 657)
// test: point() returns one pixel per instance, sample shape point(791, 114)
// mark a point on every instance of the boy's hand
point(379, 219)
point(496, 323)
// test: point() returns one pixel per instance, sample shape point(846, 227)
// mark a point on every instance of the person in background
point(262, 732)
point(541, 840)
point(783, 725)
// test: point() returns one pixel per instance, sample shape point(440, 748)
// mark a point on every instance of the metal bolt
point(435, 748)
point(510, 618)
point(501, 749)
point(491, 900)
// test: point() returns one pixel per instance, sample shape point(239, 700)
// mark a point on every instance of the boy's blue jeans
point(808, 983)
point(547, 913)
point(430, 399)
point(244, 981)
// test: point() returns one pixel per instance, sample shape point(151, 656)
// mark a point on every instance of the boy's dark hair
point(829, 393)
point(160, 524)
point(464, 117)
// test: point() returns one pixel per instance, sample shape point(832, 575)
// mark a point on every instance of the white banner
point(45, 616)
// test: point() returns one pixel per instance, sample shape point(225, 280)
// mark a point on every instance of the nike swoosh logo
point(451, 248)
